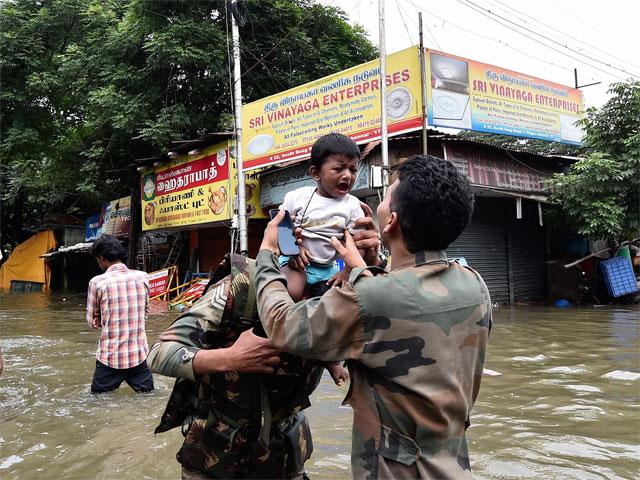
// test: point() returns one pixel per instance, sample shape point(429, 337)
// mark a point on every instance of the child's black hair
point(332, 144)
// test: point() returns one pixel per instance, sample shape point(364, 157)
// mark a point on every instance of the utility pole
point(383, 98)
point(423, 86)
point(237, 101)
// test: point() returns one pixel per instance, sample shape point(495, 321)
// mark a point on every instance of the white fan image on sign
point(260, 144)
point(451, 109)
point(398, 103)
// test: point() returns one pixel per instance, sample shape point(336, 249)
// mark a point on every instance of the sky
point(599, 38)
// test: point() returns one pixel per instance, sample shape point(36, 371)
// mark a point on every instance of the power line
point(575, 17)
point(492, 39)
point(403, 22)
point(490, 14)
point(429, 33)
point(538, 41)
point(505, 8)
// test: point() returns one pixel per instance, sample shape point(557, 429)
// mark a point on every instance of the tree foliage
point(529, 145)
point(87, 86)
point(601, 193)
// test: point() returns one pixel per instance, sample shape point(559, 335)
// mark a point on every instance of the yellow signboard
point(195, 189)
point(283, 127)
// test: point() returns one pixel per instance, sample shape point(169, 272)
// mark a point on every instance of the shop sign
point(92, 226)
point(190, 190)
point(114, 219)
point(253, 189)
point(283, 127)
point(158, 282)
point(470, 95)
point(196, 189)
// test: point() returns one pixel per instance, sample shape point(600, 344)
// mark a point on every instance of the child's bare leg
point(296, 282)
point(338, 373)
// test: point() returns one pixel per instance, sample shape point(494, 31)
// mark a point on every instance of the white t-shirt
point(323, 218)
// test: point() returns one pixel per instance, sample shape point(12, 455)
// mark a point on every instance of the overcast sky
point(599, 38)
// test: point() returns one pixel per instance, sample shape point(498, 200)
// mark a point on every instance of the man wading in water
point(117, 304)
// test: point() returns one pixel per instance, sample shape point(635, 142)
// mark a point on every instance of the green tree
point(87, 86)
point(518, 144)
point(600, 193)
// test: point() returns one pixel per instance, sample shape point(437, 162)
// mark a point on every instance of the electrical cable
point(428, 32)
point(505, 8)
point(542, 43)
point(492, 39)
point(277, 84)
point(522, 163)
point(575, 17)
point(239, 11)
point(489, 14)
point(403, 22)
point(271, 50)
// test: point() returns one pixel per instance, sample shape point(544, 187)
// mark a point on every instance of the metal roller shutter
point(484, 245)
point(528, 254)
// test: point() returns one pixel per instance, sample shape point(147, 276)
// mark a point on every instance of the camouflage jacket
point(414, 341)
point(236, 425)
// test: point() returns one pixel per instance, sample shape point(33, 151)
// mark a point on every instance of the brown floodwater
point(561, 400)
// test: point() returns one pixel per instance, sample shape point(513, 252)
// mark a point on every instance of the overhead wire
point(595, 29)
point(509, 10)
point(403, 21)
point(492, 39)
point(274, 79)
point(494, 16)
point(428, 32)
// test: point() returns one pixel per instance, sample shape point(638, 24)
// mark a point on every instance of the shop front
point(506, 239)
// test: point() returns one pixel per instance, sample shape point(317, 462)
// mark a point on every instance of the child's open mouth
point(343, 187)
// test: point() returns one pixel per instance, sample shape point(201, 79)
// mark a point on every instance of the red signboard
point(196, 290)
point(158, 282)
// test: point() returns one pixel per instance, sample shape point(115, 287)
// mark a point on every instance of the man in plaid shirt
point(117, 304)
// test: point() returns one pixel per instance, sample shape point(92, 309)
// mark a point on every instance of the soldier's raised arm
point(328, 328)
point(178, 351)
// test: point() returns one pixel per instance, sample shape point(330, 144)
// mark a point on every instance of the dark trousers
point(106, 378)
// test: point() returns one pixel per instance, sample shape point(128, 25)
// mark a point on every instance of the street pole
point(383, 99)
point(237, 101)
point(423, 87)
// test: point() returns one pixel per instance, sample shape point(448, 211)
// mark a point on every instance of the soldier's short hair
point(433, 201)
point(333, 144)
point(109, 248)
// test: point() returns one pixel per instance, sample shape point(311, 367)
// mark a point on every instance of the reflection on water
point(563, 401)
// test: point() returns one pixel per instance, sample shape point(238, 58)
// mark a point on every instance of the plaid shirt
point(117, 303)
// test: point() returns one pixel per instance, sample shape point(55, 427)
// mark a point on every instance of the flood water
point(565, 405)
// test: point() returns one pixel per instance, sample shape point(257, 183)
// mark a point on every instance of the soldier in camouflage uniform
point(238, 400)
point(414, 339)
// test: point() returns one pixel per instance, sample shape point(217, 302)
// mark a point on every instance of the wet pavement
point(560, 400)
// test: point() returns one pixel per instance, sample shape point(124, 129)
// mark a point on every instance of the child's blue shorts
point(315, 273)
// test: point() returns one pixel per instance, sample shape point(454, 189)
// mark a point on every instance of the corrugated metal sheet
point(484, 245)
point(527, 254)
